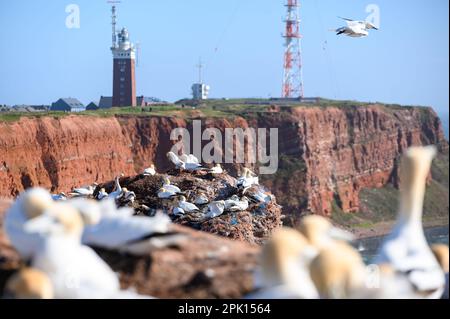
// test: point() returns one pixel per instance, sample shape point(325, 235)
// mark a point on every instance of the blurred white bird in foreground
point(75, 270)
point(29, 283)
point(284, 272)
point(406, 249)
point(30, 204)
point(119, 230)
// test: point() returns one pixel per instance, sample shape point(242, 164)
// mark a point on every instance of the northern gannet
point(117, 188)
point(257, 195)
point(190, 165)
point(29, 283)
point(191, 159)
point(215, 209)
point(234, 204)
point(30, 204)
point(320, 233)
point(169, 187)
point(284, 264)
point(441, 253)
point(74, 270)
point(126, 196)
point(216, 170)
point(338, 271)
point(405, 249)
point(201, 199)
point(247, 179)
point(178, 211)
point(119, 230)
point(356, 29)
point(150, 171)
point(102, 194)
point(59, 197)
point(186, 206)
point(84, 191)
point(165, 194)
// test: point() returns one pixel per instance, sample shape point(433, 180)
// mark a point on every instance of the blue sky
point(405, 62)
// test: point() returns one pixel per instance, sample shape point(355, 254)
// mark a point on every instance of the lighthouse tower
point(124, 57)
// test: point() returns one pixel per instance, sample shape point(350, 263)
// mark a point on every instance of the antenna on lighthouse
point(292, 77)
point(113, 22)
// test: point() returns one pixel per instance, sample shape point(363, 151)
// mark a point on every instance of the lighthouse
point(124, 61)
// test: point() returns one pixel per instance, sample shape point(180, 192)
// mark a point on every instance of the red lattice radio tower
point(292, 77)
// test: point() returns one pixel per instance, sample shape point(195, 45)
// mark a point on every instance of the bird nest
point(254, 225)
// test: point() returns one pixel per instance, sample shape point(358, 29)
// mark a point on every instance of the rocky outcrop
point(253, 225)
point(327, 154)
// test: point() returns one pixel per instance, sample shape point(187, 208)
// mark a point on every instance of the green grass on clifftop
point(221, 108)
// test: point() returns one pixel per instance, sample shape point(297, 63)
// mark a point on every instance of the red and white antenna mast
point(292, 77)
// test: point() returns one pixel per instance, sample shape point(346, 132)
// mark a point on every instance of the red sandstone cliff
point(326, 154)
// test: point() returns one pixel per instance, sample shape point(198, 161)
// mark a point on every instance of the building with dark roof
point(91, 107)
point(105, 102)
point(68, 105)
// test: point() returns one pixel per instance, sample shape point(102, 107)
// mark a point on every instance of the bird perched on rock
point(117, 188)
point(186, 206)
point(284, 272)
point(189, 158)
point(169, 187)
point(405, 249)
point(126, 197)
point(216, 170)
point(234, 204)
point(215, 209)
point(102, 194)
point(255, 194)
point(191, 163)
point(29, 283)
point(247, 179)
point(150, 171)
point(59, 197)
point(201, 199)
point(84, 191)
point(166, 194)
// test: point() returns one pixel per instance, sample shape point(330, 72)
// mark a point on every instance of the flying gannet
point(356, 29)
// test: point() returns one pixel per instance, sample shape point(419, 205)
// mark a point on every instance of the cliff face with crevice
point(326, 154)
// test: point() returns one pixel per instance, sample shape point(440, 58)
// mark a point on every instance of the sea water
point(368, 247)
